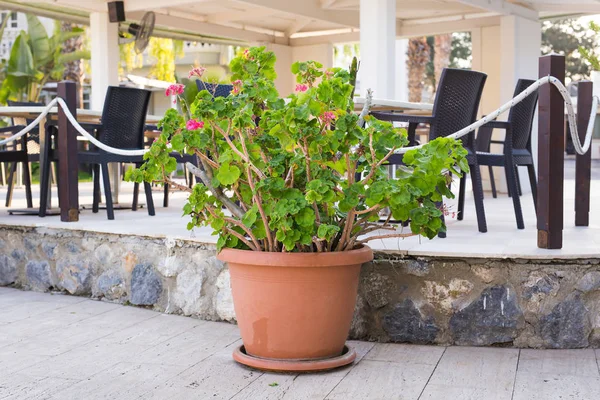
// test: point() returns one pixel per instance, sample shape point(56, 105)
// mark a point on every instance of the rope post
point(68, 167)
point(551, 155)
point(583, 163)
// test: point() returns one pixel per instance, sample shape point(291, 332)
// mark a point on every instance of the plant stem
point(218, 193)
point(258, 202)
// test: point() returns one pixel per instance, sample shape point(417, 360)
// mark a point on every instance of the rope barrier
point(579, 148)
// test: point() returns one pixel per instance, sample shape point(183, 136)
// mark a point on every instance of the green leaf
point(20, 63)
point(39, 42)
point(228, 174)
point(250, 217)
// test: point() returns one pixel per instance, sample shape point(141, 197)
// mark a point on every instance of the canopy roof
point(297, 22)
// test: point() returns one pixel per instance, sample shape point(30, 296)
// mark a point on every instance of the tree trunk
point(417, 59)
point(74, 70)
point(442, 50)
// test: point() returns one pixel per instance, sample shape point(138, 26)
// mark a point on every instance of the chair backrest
point(521, 116)
point(33, 136)
point(124, 117)
point(217, 89)
point(456, 102)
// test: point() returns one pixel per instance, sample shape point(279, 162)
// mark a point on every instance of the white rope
point(32, 125)
point(579, 148)
point(59, 101)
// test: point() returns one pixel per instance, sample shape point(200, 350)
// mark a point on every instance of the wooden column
point(68, 191)
point(551, 155)
point(583, 163)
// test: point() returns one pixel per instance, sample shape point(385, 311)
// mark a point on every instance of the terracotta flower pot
point(294, 307)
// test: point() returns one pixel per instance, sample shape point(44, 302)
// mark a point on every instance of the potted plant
point(293, 189)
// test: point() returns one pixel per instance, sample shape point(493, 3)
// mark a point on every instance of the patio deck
point(503, 239)
point(66, 347)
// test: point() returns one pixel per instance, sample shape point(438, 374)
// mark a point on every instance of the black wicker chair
point(455, 107)
point(31, 145)
point(122, 126)
point(517, 150)
point(218, 90)
point(14, 155)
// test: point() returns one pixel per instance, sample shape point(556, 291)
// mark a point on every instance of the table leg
point(43, 161)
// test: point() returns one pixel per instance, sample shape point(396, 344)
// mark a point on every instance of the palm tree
point(417, 59)
point(74, 70)
point(442, 50)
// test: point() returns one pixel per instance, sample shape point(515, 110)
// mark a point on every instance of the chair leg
point(11, 184)
point(107, 192)
point(96, 201)
point(166, 194)
point(27, 182)
point(136, 196)
point(518, 180)
point(492, 181)
point(478, 197)
point(533, 183)
point(511, 181)
point(44, 185)
point(461, 197)
point(149, 200)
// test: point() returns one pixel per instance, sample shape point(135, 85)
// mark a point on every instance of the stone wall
point(482, 302)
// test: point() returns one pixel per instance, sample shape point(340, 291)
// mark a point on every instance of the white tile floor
point(503, 239)
point(71, 348)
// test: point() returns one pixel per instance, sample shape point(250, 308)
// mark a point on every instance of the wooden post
point(583, 163)
point(551, 155)
point(68, 191)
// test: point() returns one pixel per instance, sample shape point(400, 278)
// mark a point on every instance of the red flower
point(174, 89)
point(197, 71)
point(193, 125)
point(301, 88)
point(237, 86)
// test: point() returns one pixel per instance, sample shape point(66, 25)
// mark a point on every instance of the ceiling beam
point(327, 3)
point(148, 5)
point(234, 16)
point(297, 26)
point(404, 31)
point(309, 9)
point(503, 7)
point(205, 28)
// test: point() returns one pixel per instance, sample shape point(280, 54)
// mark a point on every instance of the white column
point(401, 70)
point(105, 57)
point(520, 50)
point(378, 47)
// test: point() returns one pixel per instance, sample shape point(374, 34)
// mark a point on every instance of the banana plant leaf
point(20, 62)
point(38, 41)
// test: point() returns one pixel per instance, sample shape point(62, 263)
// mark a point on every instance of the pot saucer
point(269, 364)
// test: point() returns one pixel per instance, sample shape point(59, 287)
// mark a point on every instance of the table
point(89, 116)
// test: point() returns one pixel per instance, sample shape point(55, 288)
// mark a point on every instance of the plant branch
point(391, 235)
point(237, 151)
point(218, 193)
point(258, 202)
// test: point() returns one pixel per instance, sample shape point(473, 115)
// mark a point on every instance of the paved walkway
point(65, 347)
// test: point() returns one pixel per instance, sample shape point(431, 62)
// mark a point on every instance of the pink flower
point(301, 88)
point(174, 89)
point(327, 117)
point(197, 71)
point(237, 87)
point(193, 125)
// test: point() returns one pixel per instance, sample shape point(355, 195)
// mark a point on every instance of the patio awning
point(303, 22)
